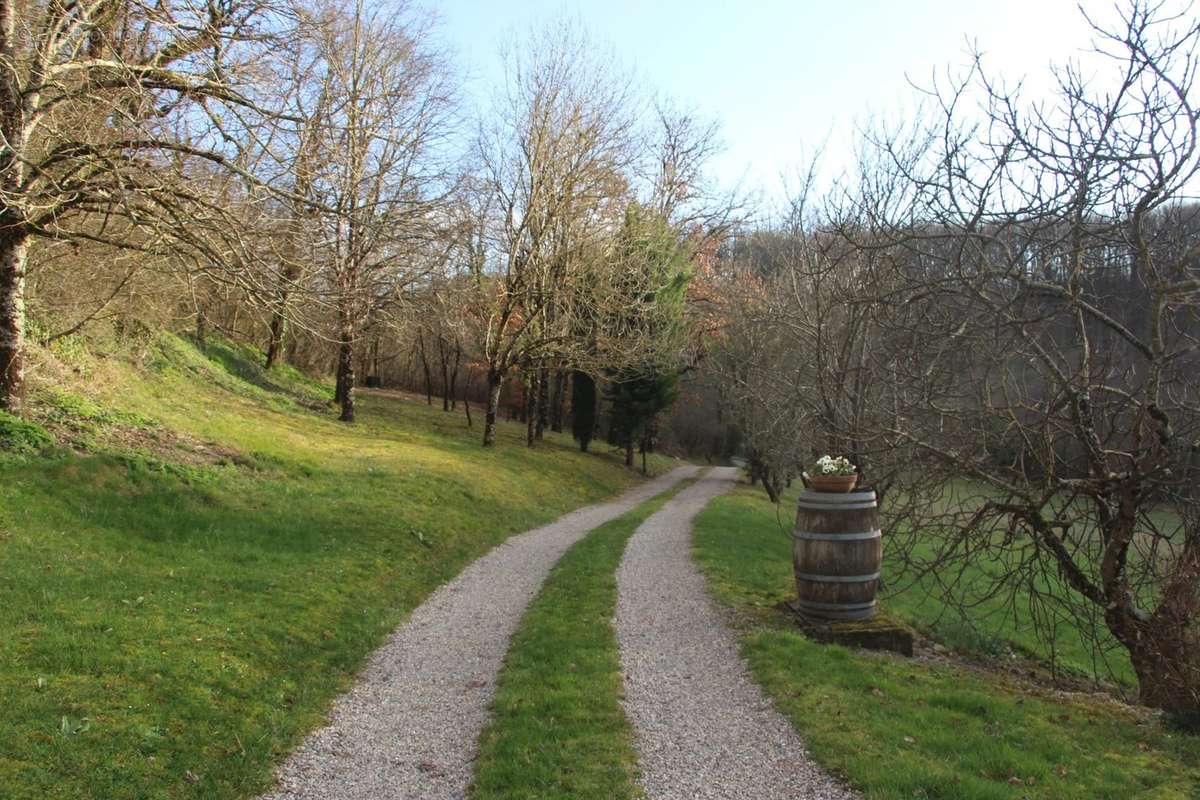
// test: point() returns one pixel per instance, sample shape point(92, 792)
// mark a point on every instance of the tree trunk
point(1164, 645)
point(444, 358)
point(560, 399)
point(278, 325)
point(446, 388)
point(772, 489)
point(201, 326)
point(583, 408)
point(495, 382)
point(1168, 672)
point(339, 384)
point(467, 400)
point(629, 452)
point(760, 471)
point(650, 435)
point(533, 403)
point(454, 379)
point(275, 343)
point(364, 363)
point(526, 389)
point(345, 379)
point(425, 367)
point(14, 250)
point(543, 393)
point(344, 386)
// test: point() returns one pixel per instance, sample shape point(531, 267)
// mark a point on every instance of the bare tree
point(103, 109)
point(553, 165)
point(298, 153)
point(1044, 261)
point(677, 153)
point(799, 352)
point(382, 105)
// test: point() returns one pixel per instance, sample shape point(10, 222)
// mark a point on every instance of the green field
point(207, 557)
point(898, 728)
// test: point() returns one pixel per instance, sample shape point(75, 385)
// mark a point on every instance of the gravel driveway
point(704, 728)
point(409, 727)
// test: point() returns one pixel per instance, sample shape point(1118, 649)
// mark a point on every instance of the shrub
point(22, 437)
point(966, 638)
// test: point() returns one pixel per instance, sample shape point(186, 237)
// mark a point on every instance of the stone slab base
point(881, 632)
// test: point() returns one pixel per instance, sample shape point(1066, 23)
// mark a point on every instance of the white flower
point(830, 465)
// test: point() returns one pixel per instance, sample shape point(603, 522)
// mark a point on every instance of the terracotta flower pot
point(832, 483)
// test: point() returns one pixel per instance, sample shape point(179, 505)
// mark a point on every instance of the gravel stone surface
point(410, 726)
point(704, 728)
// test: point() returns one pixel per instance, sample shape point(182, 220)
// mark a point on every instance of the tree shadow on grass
point(237, 363)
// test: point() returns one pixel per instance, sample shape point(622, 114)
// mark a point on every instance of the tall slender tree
point(583, 408)
point(553, 167)
point(383, 103)
point(655, 274)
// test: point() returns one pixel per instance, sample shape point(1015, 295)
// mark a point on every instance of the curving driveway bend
point(704, 729)
point(409, 727)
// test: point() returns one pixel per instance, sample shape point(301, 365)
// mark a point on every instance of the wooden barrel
point(836, 550)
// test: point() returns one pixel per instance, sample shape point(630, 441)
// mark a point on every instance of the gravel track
point(704, 728)
point(409, 727)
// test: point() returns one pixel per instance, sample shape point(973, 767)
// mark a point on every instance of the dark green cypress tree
point(657, 264)
point(636, 401)
point(583, 408)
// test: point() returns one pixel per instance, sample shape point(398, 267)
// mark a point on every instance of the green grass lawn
point(900, 729)
point(558, 730)
point(180, 603)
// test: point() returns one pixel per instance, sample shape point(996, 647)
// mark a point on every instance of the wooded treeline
point(302, 176)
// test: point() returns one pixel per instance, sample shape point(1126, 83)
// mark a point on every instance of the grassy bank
point(558, 730)
point(899, 728)
point(185, 588)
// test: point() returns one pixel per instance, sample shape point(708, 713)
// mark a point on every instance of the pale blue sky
point(783, 77)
